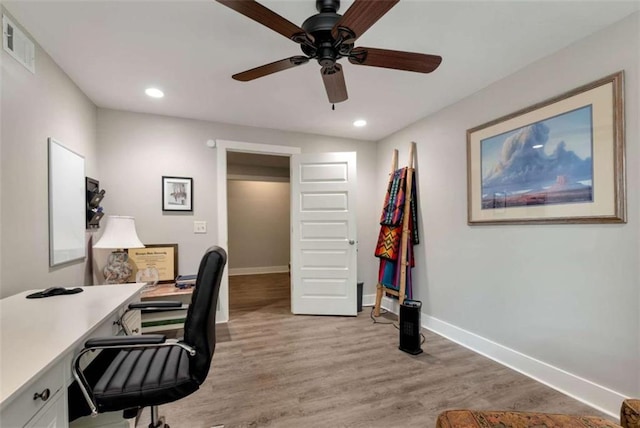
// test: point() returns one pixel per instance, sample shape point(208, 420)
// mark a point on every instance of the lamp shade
point(119, 232)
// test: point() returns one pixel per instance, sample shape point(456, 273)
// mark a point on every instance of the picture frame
point(177, 193)
point(559, 161)
point(163, 258)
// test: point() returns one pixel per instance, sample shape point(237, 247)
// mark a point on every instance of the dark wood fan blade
point(360, 17)
point(267, 69)
point(398, 60)
point(267, 17)
point(333, 79)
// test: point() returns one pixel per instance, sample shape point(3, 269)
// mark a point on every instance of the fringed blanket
point(389, 240)
point(393, 210)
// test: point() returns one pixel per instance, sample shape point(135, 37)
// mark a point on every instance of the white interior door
point(323, 235)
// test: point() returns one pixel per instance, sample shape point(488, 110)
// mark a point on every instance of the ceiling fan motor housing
point(325, 48)
point(327, 5)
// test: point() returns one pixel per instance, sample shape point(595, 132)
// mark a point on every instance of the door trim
point(222, 146)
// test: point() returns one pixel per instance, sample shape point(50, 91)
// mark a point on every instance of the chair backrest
point(200, 325)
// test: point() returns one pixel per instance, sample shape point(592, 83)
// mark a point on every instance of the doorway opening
point(258, 213)
point(323, 228)
point(223, 147)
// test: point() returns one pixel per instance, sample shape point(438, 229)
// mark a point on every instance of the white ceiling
point(113, 50)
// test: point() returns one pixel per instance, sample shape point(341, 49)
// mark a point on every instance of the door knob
point(351, 242)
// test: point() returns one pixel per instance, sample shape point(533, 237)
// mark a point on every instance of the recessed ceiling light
point(154, 92)
point(537, 146)
point(359, 123)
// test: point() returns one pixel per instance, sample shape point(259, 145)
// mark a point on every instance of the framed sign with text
point(155, 259)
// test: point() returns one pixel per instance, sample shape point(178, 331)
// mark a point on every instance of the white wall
point(35, 107)
point(137, 149)
point(566, 295)
point(259, 225)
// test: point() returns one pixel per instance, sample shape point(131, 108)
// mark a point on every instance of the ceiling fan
point(327, 37)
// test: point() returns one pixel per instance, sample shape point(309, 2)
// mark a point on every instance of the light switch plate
point(199, 227)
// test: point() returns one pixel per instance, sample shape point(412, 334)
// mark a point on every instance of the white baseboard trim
point(258, 270)
point(597, 396)
point(391, 305)
point(368, 299)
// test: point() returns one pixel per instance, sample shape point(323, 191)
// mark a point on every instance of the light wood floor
point(273, 369)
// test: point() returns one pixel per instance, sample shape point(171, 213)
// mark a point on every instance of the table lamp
point(119, 234)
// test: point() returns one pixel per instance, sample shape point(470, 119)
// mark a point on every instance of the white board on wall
point(67, 200)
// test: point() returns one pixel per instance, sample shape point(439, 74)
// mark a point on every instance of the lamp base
point(118, 268)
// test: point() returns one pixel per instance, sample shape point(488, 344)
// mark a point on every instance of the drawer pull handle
point(44, 395)
point(135, 330)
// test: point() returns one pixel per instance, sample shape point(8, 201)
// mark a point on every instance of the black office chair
point(151, 370)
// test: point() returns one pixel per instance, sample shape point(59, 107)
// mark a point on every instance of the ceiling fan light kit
point(327, 37)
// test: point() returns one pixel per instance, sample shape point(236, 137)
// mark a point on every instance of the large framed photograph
point(154, 263)
point(559, 161)
point(177, 194)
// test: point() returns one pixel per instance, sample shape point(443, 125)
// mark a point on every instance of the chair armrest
point(154, 310)
point(148, 308)
point(119, 341)
point(156, 304)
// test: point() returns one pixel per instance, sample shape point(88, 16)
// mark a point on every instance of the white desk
point(38, 340)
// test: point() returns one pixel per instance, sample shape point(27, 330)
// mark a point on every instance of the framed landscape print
point(559, 161)
point(177, 194)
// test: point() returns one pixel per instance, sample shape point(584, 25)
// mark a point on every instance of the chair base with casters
point(151, 370)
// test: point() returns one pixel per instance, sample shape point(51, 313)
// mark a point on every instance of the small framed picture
point(177, 194)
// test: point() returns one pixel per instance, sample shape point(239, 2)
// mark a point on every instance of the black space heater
point(410, 327)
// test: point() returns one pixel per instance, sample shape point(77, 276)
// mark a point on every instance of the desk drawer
point(24, 406)
point(133, 321)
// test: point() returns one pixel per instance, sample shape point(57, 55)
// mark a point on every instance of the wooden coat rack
point(403, 256)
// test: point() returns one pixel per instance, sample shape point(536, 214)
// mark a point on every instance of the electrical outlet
point(199, 227)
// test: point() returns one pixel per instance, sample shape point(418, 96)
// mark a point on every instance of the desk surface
point(165, 290)
point(37, 333)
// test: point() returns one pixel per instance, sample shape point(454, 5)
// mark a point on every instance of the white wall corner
point(597, 396)
point(391, 305)
point(368, 299)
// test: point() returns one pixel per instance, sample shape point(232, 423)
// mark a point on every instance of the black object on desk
point(54, 291)
point(186, 281)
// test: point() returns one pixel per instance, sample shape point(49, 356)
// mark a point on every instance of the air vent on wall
point(18, 44)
